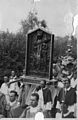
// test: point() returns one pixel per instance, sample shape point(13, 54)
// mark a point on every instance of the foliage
point(60, 46)
point(13, 46)
point(31, 22)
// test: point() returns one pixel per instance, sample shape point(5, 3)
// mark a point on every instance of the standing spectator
point(66, 101)
point(45, 99)
point(14, 86)
point(12, 78)
point(5, 89)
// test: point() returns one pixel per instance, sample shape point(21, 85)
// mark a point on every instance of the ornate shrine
point(39, 53)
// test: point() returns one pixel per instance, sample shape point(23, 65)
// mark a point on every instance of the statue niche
point(38, 53)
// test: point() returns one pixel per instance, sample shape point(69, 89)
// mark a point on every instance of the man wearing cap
point(66, 101)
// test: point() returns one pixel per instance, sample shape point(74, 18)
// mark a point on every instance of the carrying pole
point(51, 57)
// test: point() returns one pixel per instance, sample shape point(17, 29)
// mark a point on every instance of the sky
point(57, 13)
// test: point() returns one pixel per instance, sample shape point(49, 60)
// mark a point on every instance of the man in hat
point(66, 101)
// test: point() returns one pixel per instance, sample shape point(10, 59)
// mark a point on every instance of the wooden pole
point(51, 57)
point(26, 53)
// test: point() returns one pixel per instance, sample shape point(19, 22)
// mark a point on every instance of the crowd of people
point(55, 99)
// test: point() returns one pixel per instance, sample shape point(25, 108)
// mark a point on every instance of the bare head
point(67, 83)
point(13, 96)
point(34, 99)
point(5, 79)
point(13, 73)
point(43, 83)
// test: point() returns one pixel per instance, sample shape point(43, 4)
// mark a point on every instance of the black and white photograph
point(38, 59)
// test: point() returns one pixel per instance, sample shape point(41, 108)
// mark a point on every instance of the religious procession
point(45, 85)
point(38, 62)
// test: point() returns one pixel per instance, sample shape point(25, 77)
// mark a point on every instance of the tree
point(31, 22)
point(13, 46)
point(43, 24)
